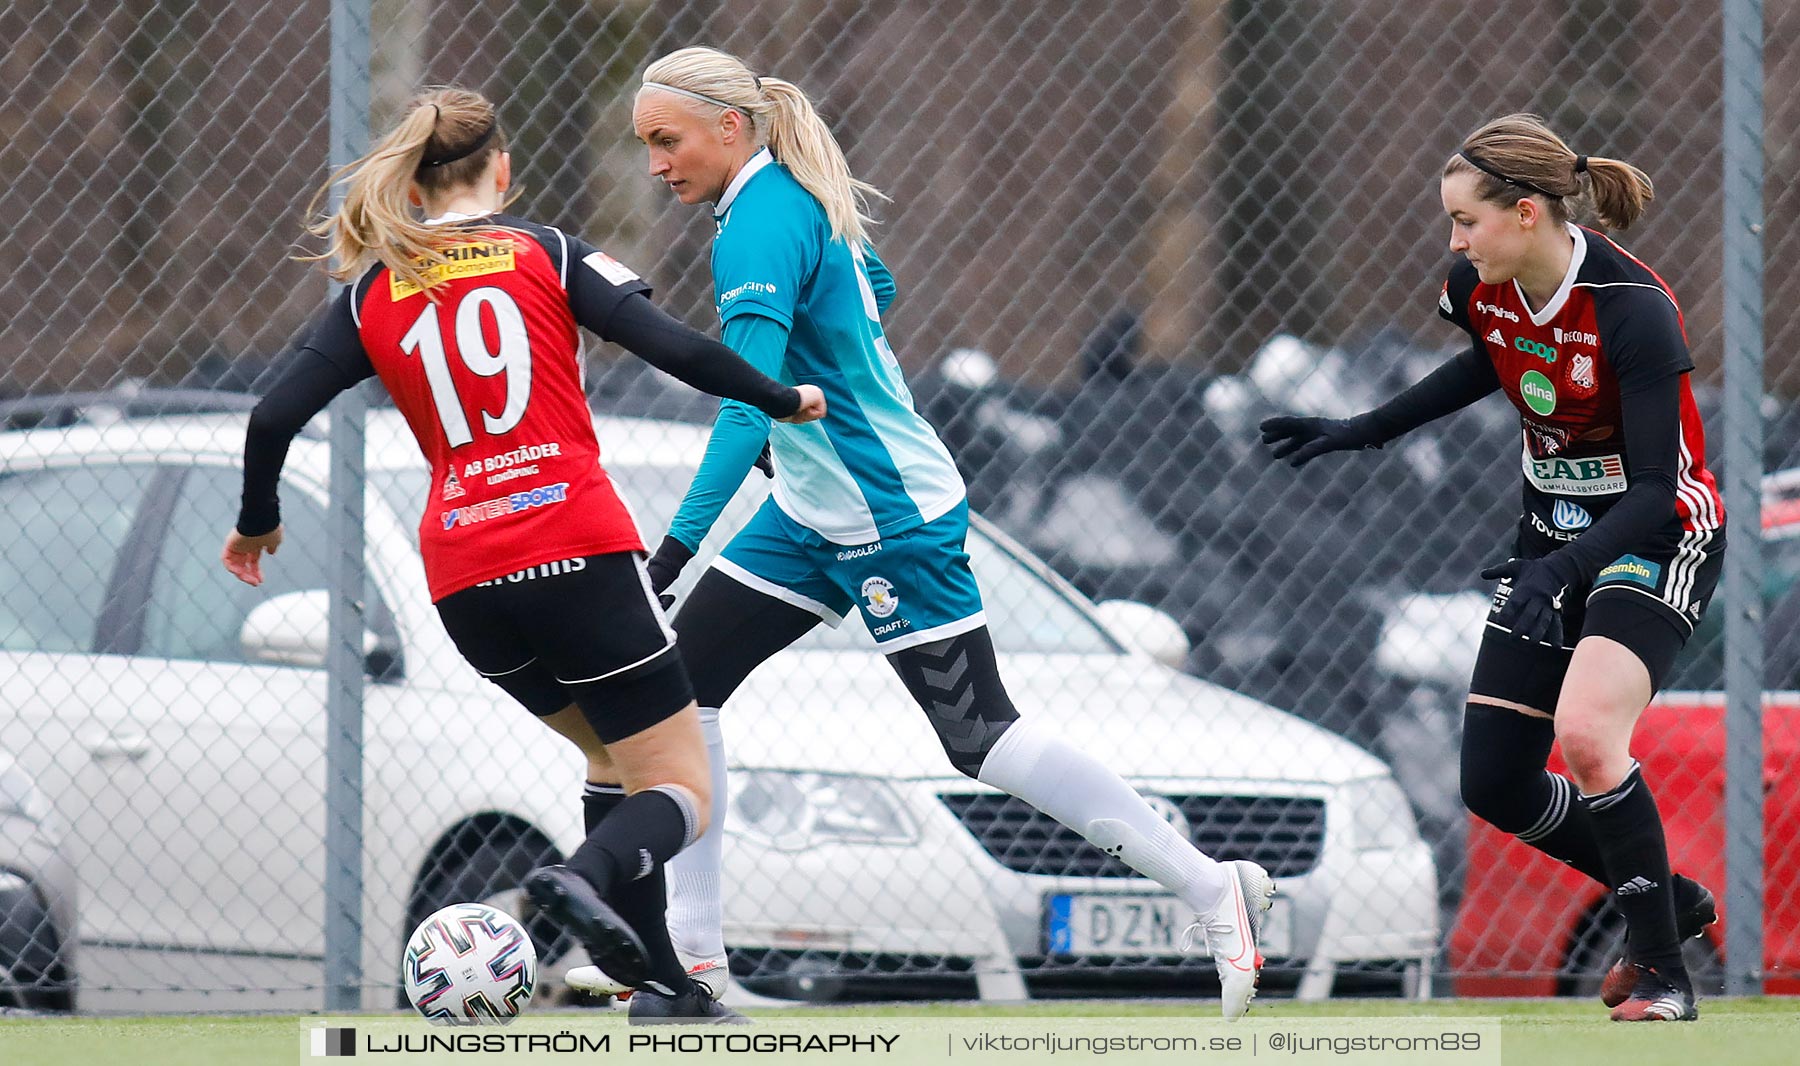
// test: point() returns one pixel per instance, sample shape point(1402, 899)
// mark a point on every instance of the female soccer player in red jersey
point(1623, 532)
point(469, 316)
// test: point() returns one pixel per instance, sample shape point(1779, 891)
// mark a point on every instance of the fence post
point(344, 663)
point(1743, 297)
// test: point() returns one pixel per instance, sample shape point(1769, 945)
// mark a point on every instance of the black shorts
point(1648, 601)
point(587, 632)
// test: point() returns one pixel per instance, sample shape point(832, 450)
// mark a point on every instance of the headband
point(467, 150)
point(1492, 173)
point(1580, 164)
point(702, 97)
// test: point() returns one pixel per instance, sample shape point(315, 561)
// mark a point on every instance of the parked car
point(1530, 926)
point(176, 719)
point(37, 899)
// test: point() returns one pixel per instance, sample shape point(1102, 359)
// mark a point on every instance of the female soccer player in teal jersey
point(869, 512)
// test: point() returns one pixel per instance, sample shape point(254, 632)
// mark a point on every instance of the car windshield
point(1026, 612)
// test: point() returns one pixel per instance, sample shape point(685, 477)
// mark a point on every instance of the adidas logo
point(1494, 337)
point(1635, 886)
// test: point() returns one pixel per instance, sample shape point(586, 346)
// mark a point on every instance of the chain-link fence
point(1123, 235)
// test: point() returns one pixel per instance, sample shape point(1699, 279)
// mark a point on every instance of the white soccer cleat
point(1233, 932)
point(709, 974)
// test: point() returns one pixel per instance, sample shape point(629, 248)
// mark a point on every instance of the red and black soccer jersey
point(1612, 330)
point(489, 379)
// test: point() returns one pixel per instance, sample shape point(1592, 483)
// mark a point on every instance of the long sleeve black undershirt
point(1453, 386)
point(1651, 413)
point(332, 361)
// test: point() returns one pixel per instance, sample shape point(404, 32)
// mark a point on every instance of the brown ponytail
point(1518, 156)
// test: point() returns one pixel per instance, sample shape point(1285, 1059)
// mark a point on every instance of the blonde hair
point(784, 119)
point(1518, 155)
point(377, 221)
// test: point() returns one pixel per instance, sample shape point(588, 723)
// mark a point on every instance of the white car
point(176, 720)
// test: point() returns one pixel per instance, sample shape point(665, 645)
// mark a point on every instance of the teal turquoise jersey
point(873, 467)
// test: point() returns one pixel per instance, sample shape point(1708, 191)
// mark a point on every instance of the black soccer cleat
point(611, 943)
point(690, 1007)
point(1690, 921)
point(1655, 998)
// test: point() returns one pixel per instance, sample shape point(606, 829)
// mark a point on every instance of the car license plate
point(1103, 924)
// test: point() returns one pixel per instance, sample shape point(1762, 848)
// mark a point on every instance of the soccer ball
point(470, 964)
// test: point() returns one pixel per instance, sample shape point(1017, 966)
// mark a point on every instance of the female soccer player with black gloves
point(1623, 532)
point(470, 317)
point(870, 513)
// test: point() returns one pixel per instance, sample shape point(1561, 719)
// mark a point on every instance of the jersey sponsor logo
point(1494, 337)
point(1568, 515)
point(609, 268)
point(1538, 348)
point(759, 288)
point(878, 596)
point(1630, 568)
point(529, 453)
point(892, 627)
point(1571, 336)
point(1444, 300)
point(1597, 475)
point(858, 553)
point(473, 513)
point(453, 489)
point(1544, 529)
point(1547, 440)
point(464, 261)
point(532, 573)
point(1537, 392)
point(1496, 310)
point(1581, 374)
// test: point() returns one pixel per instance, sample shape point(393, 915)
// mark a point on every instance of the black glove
point(665, 566)
point(1301, 440)
point(766, 462)
point(1533, 611)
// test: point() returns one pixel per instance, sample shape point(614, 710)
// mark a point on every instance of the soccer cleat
point(570, 900)
point(1655, 998)
point(691, 1007)
point(709, 974)
point(1616, 986)
point(1233, 932)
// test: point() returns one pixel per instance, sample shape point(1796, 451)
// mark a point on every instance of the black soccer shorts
point(1648, 601)
point(582, 631)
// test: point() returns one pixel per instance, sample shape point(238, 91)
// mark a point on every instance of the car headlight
point(1380, 817)
point(792, 811)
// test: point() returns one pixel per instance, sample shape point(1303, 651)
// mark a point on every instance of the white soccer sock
point(696, 920)
point(1073, 787)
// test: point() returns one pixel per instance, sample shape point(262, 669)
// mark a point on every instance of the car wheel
point(483, 864)
point(32, 975)
point(1598, 942)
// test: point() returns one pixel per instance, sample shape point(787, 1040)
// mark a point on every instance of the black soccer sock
point(643, 902)
point(1630, 834)
point(1504, 783)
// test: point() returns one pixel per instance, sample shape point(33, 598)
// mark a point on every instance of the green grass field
point(1743, 1032)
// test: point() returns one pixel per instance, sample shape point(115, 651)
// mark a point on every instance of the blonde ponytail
point(785, 119)
point(428, 150)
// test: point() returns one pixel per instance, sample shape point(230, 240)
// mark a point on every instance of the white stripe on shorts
point(769, 588)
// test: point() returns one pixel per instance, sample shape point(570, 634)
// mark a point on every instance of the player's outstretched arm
point(683, 352)
point(1451, 387)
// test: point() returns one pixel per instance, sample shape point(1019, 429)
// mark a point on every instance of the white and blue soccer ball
point(470, 964)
